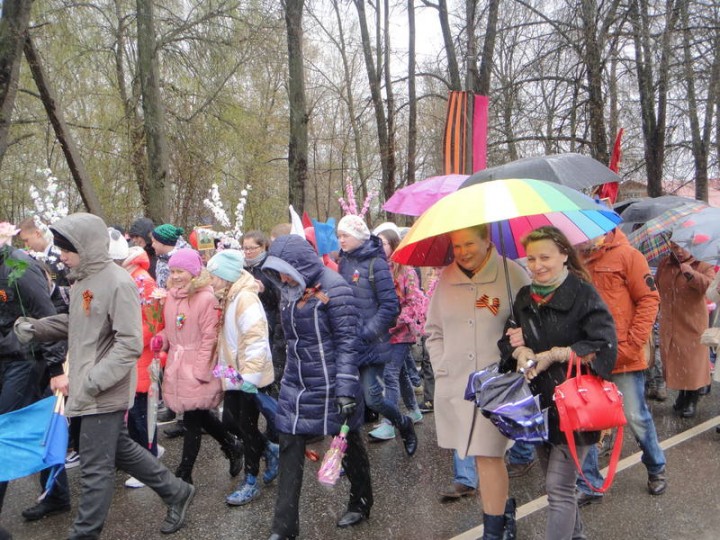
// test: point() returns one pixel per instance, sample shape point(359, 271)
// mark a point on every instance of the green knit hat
point(167, 234)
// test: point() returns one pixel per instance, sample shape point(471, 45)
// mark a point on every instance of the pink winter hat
point(187, 259)
point(354, 226)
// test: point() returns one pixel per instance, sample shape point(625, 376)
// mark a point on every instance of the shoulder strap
point(612, 466)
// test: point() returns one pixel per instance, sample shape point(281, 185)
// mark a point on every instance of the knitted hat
point(187, 259)
point(118, 247)
point(227, 264)
point(354, 226)
point(388, 225)
point(61, 242)
point(142, 227)
point(167, 234)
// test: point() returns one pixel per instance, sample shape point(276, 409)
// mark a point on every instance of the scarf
point(256, 261)
point(541, 293)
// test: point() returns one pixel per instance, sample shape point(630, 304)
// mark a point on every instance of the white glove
point(24, 330)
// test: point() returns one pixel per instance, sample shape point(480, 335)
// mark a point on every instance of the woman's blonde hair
point(556, 236)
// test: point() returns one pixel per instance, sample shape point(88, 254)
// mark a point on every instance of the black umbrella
point(643, 210)
point(572, 170)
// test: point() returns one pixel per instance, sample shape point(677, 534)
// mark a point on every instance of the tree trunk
point(389, 186)
point(653, 123)
point(13, 26)
point(158, 185)
point(375, 92)
point(412, 96)
point(593, 65)
point(298, 144)
point(54, 112)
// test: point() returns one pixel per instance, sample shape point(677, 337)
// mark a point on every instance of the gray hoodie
point(103, 327)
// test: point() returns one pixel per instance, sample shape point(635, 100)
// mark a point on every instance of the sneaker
point(384, 432)
point(245, 493)
point(175, 517)
point(272, 462)
point(72, 460)
point(164, 415)
point(178, 430)
point(416, 416)
point(133, 483)
point(160, 451)
point(426, 407)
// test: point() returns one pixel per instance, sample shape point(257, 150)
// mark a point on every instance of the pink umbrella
point(414, 199)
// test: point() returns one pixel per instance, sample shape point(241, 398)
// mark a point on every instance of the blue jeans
point(391, 373)
point(640, 421)
point(372, 378)
point(267, 405)
point(521, 452)
point(464, 471)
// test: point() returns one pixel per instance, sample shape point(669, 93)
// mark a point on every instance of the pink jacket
point(190, 333)
point(413, 306)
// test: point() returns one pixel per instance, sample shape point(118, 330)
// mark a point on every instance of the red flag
point(610, 190)
point(306, 221)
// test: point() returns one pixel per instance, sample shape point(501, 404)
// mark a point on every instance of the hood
point(372, 247)
point(137, 256)
point(612, 240)
point(294, 256)
point(88, 233)
point(246, 282)
point(142, 227)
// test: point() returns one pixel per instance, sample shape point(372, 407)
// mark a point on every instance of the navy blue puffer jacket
point(319, 317)
point(378, 302)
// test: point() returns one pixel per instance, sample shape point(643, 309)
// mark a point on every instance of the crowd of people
point(270, 346)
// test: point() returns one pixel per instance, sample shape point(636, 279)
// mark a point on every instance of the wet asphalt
point(406, 501)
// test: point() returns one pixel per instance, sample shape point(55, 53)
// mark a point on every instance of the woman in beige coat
point(465, 320)
point(682, 281)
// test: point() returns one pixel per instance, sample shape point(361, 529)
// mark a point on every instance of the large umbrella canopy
point(644, 210)
point(572, 170)
point(514, 207)
point(414, 199)
point(653, 238)
point(699, 234)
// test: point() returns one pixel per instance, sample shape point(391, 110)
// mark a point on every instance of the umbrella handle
point(507, 277)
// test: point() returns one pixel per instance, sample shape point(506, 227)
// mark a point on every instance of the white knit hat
point(118, 247)
point(355, 226)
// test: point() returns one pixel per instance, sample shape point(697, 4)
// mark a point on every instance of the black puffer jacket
point(574, 317)
point(28, 296)
point(377, 300)
point(319, 317)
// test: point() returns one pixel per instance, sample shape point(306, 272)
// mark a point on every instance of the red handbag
point(588, 403)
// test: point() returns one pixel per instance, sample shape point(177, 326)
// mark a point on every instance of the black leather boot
point(233, 450)
point(407, 433)
point(691, 400)
point(680, 401)
point(510, 525)
point(493, 527)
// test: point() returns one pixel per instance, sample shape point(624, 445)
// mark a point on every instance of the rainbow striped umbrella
point(513, 207)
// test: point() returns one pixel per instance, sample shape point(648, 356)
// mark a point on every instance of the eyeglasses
point(251, 248)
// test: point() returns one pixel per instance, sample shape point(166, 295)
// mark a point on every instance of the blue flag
point(325, 236)
point(32, 439)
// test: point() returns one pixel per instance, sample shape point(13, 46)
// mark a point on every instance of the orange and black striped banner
point(456, 130)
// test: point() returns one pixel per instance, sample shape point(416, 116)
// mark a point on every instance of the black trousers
point(292, 462)
point(240, 417)
point(194, 422)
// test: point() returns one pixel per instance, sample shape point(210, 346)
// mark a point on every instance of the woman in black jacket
point(560, 313)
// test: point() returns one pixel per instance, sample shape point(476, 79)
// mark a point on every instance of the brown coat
point(683, 318)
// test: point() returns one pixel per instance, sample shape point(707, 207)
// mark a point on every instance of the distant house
point(635, 190)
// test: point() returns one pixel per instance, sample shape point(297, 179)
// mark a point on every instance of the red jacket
point(622, 276)
point(151, 313)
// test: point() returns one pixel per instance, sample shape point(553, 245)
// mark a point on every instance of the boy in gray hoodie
point(104, 334)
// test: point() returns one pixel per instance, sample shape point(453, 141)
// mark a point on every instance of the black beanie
point(61, 242)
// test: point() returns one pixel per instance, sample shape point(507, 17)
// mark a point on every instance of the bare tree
point(13, 25)
point(298, 145)
point(158, 192)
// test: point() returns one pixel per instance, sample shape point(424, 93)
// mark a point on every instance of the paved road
point(406, 505)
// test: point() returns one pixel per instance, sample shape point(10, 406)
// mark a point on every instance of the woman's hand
point(525, 358)
point(545, 359)
point(516, 337)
